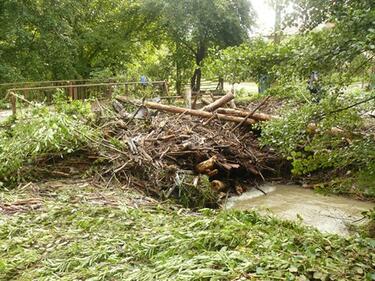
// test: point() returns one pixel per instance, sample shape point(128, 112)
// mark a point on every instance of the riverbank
point(73, 230)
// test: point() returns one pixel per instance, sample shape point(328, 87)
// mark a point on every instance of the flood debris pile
point(193, 157)
point(196, 156)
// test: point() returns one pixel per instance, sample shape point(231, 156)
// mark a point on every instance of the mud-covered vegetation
point(78, 231)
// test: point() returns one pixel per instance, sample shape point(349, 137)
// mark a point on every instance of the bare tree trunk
point(197, 76)
point(278, 10)
point(178, 79)
point(178, 73)
point(196, 80)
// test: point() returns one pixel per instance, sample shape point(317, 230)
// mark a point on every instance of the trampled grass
point(86, 233)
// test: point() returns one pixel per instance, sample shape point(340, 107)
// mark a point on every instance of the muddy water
point(330, 214)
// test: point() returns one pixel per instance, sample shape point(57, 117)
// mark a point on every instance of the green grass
point(86, 233)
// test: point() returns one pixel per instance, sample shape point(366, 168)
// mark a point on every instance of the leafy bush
point(310, 136)
point(41, 131)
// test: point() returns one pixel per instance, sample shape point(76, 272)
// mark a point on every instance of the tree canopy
point(194, 26)
point(48, 40)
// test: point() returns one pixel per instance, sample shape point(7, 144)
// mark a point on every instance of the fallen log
point(219, 103)
point(198, 113)
point(205, 101)
point(242, 113)
point(226, 114)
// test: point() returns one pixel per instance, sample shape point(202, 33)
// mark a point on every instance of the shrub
point(42, 131)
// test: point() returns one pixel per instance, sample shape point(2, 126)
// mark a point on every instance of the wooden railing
point(78, 89)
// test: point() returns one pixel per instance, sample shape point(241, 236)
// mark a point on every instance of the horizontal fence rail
point(86, 90)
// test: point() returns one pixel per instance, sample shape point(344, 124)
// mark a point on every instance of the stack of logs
point(214, 110)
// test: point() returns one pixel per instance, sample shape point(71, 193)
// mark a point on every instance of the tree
point(249, 61)
point(195, 26)
point(279, 7)
point(48, 40)
point(350, 38)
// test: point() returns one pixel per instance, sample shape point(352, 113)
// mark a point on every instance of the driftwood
point(244, 114)
point(219, 103)
point(156, 154)
point(207, 166)
point(252, 112)
point(217, 185)
point(198, 113)
point(227, 114)
point(205, 101)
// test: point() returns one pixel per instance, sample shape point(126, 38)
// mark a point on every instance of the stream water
point(330, 214)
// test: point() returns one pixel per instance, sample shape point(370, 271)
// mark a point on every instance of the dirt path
point(4, 114)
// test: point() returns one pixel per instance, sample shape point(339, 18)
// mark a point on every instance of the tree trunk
point(220, 84)
point(179, 81)
point(196, 80)
point(278, 10)
point(197, 76)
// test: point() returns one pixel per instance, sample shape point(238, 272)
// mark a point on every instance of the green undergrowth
point(41, 131)
point(332, 137)
point(4, 104)
point(360, 186)
point(243, 99)
point(85, 233)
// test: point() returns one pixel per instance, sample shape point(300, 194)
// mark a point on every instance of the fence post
point(126, 89)
point(188, 97)
point(75, 93)
point(109, 89)
point(71, 93)
point(13, 102)
point(166, 88)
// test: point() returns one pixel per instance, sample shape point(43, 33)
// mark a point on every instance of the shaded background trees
point(48, 40)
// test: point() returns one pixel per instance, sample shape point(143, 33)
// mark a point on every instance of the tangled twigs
point(156, 150)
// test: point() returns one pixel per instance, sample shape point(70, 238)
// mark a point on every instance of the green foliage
point(49, 40)
point(288, 133)
point(340, 52)
point(195, 196)
point(320, 147)
point(194, 26)
point(211, 23)
point(75, 108)
point(247, 62)
point(91, 233)
point(41, 131)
